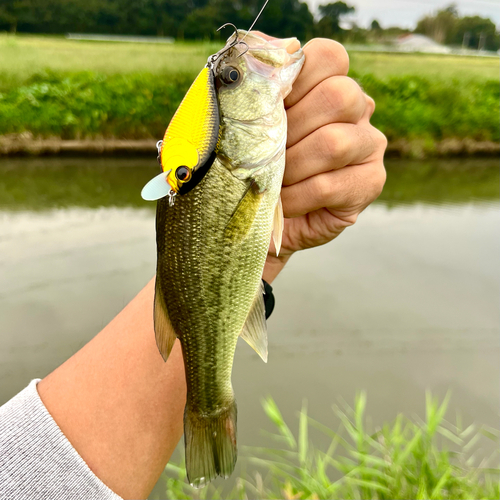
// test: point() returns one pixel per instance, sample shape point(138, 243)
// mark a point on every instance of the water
point(406, 300)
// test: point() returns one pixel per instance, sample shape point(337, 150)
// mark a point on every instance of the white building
point(420, 43)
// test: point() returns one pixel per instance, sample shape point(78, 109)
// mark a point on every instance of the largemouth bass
point(222, 158)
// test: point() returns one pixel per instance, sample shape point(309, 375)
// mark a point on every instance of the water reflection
point(403, 301)
point(41, 183)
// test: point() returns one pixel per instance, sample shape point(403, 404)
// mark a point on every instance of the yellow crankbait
point(189, 141)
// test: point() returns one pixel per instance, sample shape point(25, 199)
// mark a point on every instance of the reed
point(429, 458)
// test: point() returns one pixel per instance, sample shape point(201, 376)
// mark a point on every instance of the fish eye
point(183, 173)
point(230, 75)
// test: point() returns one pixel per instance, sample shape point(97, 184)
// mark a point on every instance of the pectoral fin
point(255, 329)
point(242, 219)
point(278, 225)
point(164, 332)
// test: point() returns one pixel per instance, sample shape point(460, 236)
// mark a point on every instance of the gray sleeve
point(36, 459)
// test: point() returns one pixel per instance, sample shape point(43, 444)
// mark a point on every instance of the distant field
point(427, 65)
point(23, 56)
point(57, 88)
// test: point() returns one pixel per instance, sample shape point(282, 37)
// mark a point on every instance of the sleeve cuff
point(36, 459)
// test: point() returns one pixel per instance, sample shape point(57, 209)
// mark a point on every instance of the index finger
point(324, 58)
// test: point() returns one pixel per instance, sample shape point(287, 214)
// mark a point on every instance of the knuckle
point(370, 105)
point(353, 94)
point(332, 143)
point(342, 96)
point(376, 140)
point(321, 188)
point(381, 178)
point(331, 54)
point(377, 181)
point(380, 140)
point(331, 94)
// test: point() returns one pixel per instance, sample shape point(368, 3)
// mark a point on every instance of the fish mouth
point(277, 59)
point(270, 50)
point(259, 40)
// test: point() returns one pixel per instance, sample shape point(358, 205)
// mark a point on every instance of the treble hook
point(247, 48)
point(230, 24)
point(233, 44)
point(236, 41)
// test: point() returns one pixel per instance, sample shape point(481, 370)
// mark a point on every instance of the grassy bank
point(140, 105)
point(428, 458)
point(413, 107)
point(130, 91)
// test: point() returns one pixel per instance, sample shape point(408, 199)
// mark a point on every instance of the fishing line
point(256, 19)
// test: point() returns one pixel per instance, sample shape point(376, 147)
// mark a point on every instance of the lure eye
point(183, 173)
point(230, 75)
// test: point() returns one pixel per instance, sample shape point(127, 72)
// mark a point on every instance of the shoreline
point(23, 145)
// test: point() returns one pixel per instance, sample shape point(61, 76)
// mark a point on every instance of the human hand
point(334, 157)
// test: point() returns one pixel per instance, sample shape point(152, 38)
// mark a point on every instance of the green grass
point(73, 90)
point(79, 105)
point(416, 459)
point(432, 66)
point(416, 107)
point(140, 105)
point(25, 56)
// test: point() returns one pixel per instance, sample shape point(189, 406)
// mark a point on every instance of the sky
point(406, 13)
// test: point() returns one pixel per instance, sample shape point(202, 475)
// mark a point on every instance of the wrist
point(273, 266)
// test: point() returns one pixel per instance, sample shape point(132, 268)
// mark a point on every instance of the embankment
point(90, 113)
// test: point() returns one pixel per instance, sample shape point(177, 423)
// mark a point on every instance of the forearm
point(118, 403)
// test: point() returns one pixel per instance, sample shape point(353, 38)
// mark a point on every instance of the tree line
point(199, 19)
point(449, 28)
point(181, 19)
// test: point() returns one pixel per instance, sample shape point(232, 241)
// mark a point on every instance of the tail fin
point(210, 445)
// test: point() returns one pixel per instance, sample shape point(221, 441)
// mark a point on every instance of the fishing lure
point(189, 145)
point(193, 133)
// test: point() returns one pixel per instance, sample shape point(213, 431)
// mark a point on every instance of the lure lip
point(158, 187)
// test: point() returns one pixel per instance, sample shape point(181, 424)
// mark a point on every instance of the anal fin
point(164, 332)
point(278, 226)
point(255, 329)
